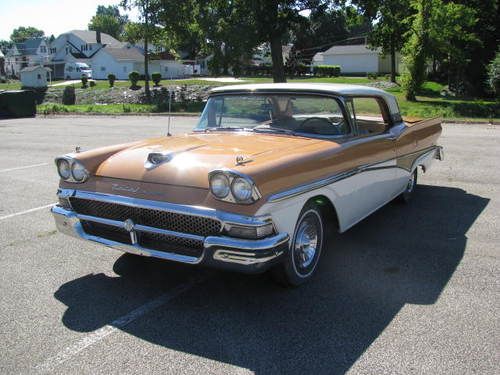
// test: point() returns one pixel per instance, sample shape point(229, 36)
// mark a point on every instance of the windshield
point(83, 66)
point(281, 113)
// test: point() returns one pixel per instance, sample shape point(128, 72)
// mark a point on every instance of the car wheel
point(305, 249)
point(406, 195)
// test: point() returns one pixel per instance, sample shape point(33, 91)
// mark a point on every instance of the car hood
point(193, 156)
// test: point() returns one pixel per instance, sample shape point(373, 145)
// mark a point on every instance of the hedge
point(326, 70)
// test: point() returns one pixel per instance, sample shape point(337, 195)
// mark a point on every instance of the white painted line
point(25, 167)
point(26, 212)
point(51, 364)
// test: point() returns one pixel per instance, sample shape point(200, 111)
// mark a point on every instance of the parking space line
point(51, 363)
point(26, 211)
point(25, 167)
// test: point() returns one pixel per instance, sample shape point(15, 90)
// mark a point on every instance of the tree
point(390, 29)
point(439, 29)
point(417, 49)
point(273, 19)
point(22, 33)
point(5, 45)
point(145, 8)
point(486, 29)
point(109, 20)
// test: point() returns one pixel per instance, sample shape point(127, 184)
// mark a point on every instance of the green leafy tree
point(109, 20)
point(487, 30)
point(391, 28)
point(273, 20)
point(417, 50)
point(494, 75)
point(22, 33)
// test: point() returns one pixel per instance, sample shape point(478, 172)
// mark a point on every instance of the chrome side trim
point(304, 188)
point(242, 244)
point(225, 218)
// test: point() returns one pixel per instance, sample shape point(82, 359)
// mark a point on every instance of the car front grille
point(106, 231)
point(176, 222)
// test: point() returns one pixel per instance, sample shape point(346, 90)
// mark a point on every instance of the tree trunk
point(277, 58)
point(393, 60)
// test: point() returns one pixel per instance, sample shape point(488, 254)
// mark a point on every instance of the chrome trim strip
point(245, 259)
point(243, 244)
point(304, 188)
point(225, 218)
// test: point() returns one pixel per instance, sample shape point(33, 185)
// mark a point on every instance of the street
point(412, 289)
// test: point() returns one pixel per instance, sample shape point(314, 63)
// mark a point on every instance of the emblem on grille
point(128, 225)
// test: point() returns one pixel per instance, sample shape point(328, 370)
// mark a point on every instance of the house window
point(90, 47)
point(103, 68)
point(43, 49)
point(166, 68)
point(124, 69)
point(38, 76)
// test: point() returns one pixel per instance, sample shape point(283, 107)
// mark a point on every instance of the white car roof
point(330, 88)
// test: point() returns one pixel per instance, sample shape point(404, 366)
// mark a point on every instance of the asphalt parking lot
point(410, 290)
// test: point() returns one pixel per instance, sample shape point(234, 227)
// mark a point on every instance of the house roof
point(34, 68)
point(90, 36)
point(357, 49)
point(125, 54)
point(29, 46)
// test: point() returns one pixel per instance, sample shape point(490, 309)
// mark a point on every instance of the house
point(33, 51)
point(34, 76)
point(105, 54)
point(357, 59)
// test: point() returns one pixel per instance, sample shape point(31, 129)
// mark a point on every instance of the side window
point(369, 116)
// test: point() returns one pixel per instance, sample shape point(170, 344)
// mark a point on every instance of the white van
point(75, 70)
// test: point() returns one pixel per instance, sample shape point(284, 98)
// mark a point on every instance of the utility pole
point(146, 52)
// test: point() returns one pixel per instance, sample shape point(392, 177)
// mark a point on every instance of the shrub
point(156, 78)
point(494, 75)
point(85, 81)
point(69, 96)
point(372, 75)
point(134, 78)
point(92, 83)
point(111, 79)
point(326, 70)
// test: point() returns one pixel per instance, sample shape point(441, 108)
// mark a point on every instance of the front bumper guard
point(249, 256)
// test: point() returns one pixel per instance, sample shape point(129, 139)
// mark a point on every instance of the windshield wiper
point(272, 129)
point(223, 129)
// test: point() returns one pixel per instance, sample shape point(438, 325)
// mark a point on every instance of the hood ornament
point(242, 160)
point(156, 158)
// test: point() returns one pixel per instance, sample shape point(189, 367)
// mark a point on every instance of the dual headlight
point(233, 187)
point(71, 170)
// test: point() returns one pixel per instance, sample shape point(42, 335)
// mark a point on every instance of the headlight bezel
point(231, 177)
point(72, 162)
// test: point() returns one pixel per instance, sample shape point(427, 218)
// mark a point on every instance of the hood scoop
point(155, 159)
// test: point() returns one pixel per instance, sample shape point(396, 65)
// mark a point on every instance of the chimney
point(98, 37)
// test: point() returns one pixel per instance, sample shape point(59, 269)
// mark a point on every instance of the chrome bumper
point(237, 254)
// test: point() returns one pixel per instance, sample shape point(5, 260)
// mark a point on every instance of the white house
point(104, 54)
point(2, 63)
point(34, 76)
point(34, 51)
point(357, 59)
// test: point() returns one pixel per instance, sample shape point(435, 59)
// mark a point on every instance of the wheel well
point(327, 208)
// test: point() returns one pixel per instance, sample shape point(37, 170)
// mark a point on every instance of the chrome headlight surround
point(78, 173)
point(236, 182)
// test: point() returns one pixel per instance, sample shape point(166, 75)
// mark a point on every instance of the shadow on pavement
point(401, 254)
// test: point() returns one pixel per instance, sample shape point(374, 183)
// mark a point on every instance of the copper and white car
point(251, 187)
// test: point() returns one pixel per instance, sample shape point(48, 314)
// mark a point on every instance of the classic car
point(268, 172)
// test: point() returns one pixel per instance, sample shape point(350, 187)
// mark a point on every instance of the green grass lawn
point(429, 104)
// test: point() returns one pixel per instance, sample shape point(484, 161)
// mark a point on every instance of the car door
point(371, 151)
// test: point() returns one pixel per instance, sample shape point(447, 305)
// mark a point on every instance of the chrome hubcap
point(306, 243)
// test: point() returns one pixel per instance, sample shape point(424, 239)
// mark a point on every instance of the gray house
point(34, 51)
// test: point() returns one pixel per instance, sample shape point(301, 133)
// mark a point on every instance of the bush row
point(326, 70)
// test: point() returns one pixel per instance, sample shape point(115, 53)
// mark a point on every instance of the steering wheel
point(321, 121)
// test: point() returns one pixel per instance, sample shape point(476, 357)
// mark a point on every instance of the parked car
point(268, 171)
point(75, 70)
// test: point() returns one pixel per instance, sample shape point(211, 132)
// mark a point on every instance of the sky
point(51, 16)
